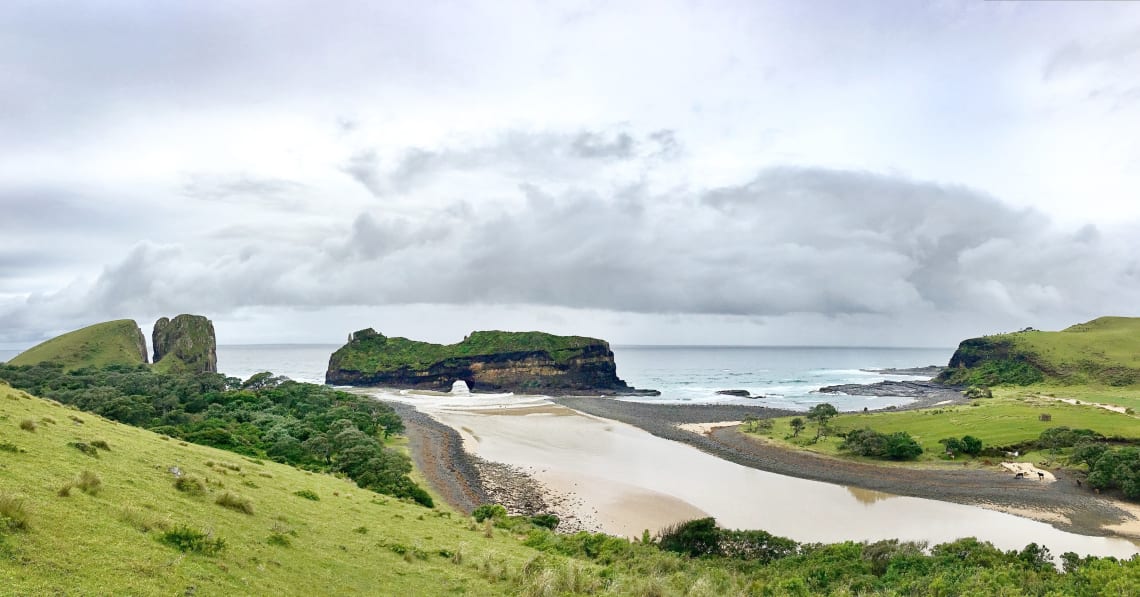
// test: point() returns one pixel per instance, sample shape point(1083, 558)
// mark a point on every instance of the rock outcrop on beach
point(523, 362)
point(185, 344)
point(897, 389)
point(1103, 351)
point(119, 342)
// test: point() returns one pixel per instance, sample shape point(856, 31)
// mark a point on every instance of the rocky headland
point(185, 344)
point(490, 361)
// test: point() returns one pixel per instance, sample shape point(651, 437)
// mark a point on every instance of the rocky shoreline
point(466, 481)
point(925, 393)
point(1068, 507)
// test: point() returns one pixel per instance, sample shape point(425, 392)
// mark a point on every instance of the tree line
point(266, 416)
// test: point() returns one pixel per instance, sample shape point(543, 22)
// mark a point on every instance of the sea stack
point(185, 344)
point(523, 362)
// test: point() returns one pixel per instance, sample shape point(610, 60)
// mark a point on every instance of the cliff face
point(524, 362)
point(185, 344)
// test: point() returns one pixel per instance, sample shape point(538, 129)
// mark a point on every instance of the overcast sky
point(824, 173)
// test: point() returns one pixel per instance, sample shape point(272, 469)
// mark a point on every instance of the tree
point(953, 445)
point(821, 414)
point(797, 426)
point(971, 445)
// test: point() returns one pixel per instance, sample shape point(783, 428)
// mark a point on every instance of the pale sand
point(625, 480)
point(1128, 528)
point(707, 428)
point(1114, 408)
point(1033, 513)
point(1031, 472)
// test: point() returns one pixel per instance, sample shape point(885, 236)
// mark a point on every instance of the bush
point(489, 511)
point(307, 494)
point(546, 521)
point(186, 539)
point(28, 425)
point(694, 538)
point(868, 442)
point(235, 502)
point(13, 515)
point(978, 392)
point(968, 444)
point(189, 484)
point(1064, 437)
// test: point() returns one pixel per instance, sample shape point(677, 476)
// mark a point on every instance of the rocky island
point(185, 344)
point(523, 362)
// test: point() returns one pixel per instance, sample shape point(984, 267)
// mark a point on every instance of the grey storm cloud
point(793, 240)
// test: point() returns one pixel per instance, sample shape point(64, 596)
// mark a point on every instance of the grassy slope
point(375, 352)
point(85, 544)
point(108, 343)
point(1101, 352)
point(1010, 418)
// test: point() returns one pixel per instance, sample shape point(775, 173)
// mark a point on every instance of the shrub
point(895, 446)
point(979, 392)
point(13, 515)
point(28, 425)
point(699, 537)
point(489, 511)
point(546, 521)
point(235, 502)
point(190, 484)
point(186, 539)
point(307, 494)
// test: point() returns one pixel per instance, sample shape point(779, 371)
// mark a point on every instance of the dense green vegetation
point(371, 351)
point(884, 446)
point(1105, 351)
point(110, 343)
point(301, 424)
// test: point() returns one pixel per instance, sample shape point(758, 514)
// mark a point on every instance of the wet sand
point(620, 479)
point(1061, 504)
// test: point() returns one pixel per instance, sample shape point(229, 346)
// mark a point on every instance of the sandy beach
point(619, 478)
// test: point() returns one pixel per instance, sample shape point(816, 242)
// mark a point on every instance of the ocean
point(787, 377)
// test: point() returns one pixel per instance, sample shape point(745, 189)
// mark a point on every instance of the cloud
point(791, 241)
point(244, 188)
point(363, 166)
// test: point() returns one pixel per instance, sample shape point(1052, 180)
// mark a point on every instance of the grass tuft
point(89, 483)
point(86, 448)
point(307, 494)
point(28, 425)
point(13, 514)
point(235, 502)
point(186, 539)
point(190, 484)
point(101, 444)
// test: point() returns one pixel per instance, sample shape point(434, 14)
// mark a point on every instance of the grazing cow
point(1040, 476)
point(1019, 476)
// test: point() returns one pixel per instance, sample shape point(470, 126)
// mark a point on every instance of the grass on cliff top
point(1010, 418)
point(170, 363)
point(99, 345)
point(106, 536)
point(371, 351)
point(1103, 352)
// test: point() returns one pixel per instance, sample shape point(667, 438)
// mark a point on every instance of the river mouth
point(624, 480)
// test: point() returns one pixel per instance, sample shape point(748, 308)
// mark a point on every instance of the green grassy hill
point(1105, 351)
point(119, 342)
point(110, 541)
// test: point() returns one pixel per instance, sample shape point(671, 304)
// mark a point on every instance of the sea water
point(785, 377)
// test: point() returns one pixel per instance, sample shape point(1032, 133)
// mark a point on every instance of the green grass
point(370, 351)
point(117, 540)
point(110, 343)
point(1103, 352)
point(1010, 418)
